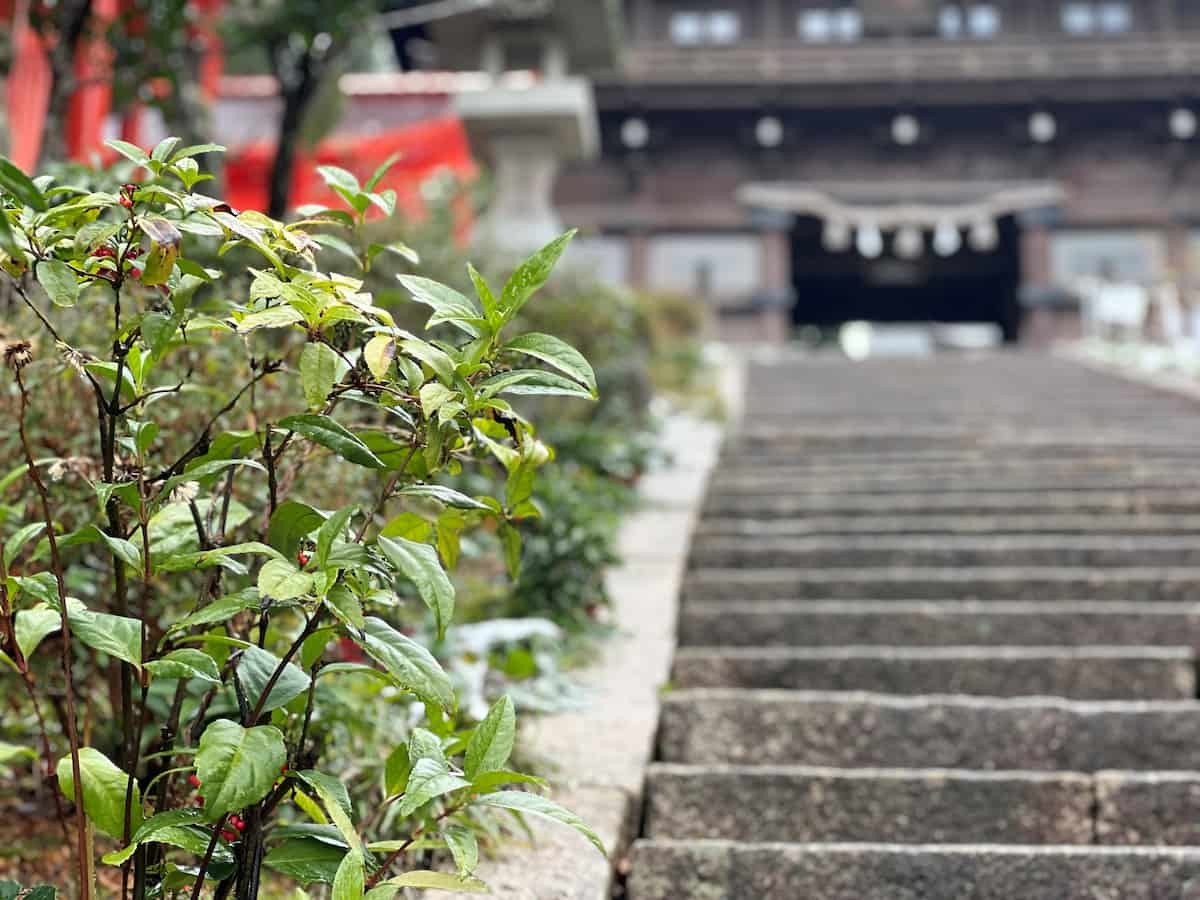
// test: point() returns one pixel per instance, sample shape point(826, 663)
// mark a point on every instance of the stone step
point(1089, 502)
point(1148, 808)
point(952, 550)
point(844, 730)
point(1130, 585)
point(1054, 523)
point(798, 804)
point(925, 623)
point(803, 804)
point(899, 469)
point(724, 870)
point(975, 484)
point(981, 455)
point(1086, 673)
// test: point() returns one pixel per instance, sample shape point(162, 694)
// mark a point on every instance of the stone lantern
point(536, 109)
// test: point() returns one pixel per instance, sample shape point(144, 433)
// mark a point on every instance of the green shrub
point(223, 600)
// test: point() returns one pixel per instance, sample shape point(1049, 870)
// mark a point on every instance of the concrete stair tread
point(727, 870)
point(954, 806)
point(1129, 583)
point(1081, 672)
point(999, 525)
point(856, 728)
point(929, 623)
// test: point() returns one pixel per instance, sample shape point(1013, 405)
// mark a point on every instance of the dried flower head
point(74, 358)
point(185, 493)
point(18, 354)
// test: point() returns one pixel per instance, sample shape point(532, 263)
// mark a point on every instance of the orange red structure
point(425, 147)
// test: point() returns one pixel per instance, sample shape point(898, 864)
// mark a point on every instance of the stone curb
point(603, 750)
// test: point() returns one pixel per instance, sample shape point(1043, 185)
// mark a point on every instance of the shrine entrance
point(905, 252)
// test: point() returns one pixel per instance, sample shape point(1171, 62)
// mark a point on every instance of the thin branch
point(81, 826)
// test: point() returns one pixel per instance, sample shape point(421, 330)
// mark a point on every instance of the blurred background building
point(788, 162)
point(821, 161)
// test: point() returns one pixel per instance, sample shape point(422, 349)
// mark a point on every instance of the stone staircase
point(937, 641)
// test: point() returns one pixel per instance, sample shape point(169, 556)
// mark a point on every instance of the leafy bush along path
point(183, 706)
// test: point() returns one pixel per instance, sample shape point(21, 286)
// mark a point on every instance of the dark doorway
point(970, 286)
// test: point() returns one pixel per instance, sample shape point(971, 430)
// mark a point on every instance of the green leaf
point(488, 782)
point(346, 605)
point(152, 826)
point(531, 275)
point(448, 305)
point(319, 372)
point(219, 556)
point(437, 360)
point(428, 780)
point(19, 538)
point(15, 182)
point(281, 580)
point(491, 742)
point(290, 524)
point(350, 881)
point(445, 495)
point(162, 150)
point(220, 610)
point(104, 786)
point(328, 433)
point(531, 381)
point(117, 636)
point(411, 666)
point(407, 525)
point(8, 240)
point(332, 530)
point(510, 540)
point(339, 178)
point(59, 281)
point(131, 152)
point(379, 353)
point(396, 769)
point(381, 170)
point(558, 354)
point(122, 549)
point(306, 859)
point(437, 881)
point(33, 625)
point(483, 291)
point(186, 663)
point(434, 396)
point(255, 670)
point(272, 317)
point(536, 805)
point(420, 564)
point(196, 150)
point(336, 801)
point(237, 766)
point(463, 847)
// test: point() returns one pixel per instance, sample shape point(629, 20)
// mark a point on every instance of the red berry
point(302, 558)
point(134, 252)
point(229, 834)
point(106, 252)
point(135, 272)
point(198, 801)
point(127, 202)
point(194, 780)
point(238, 823)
